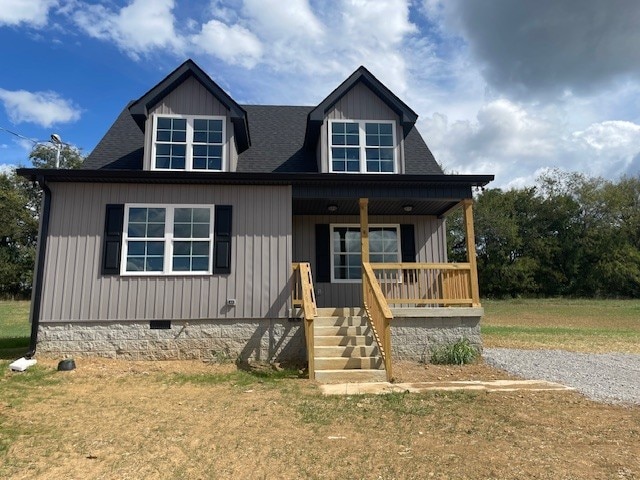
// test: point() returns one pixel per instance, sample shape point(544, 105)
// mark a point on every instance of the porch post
point(470, 235)
point(364, 236)
point(364, 229)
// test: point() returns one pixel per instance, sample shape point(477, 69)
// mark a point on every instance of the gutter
point(36, 296)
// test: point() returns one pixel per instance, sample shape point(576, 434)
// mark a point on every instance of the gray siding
point(191, 98)
point(74, 288)
point(360, 103)
point(430, 235)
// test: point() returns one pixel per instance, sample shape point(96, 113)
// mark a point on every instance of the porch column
point(470, 235)
point(364, 235)
point(364, 229)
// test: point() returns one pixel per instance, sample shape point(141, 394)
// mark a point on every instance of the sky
point(505, 87)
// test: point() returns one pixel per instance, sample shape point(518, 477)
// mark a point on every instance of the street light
point(57, 141)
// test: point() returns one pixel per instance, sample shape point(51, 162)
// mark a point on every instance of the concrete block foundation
point(263, 340)
point(416, 332)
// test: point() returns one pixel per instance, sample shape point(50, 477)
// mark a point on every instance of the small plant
point(459, 353)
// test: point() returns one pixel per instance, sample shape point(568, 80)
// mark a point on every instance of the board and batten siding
point(431, 246)
point(191, 98)
point(75, 290)
point(360, 103)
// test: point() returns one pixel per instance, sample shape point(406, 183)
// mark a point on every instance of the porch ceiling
point(377, 206)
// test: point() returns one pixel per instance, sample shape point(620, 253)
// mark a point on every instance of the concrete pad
point(379, 388)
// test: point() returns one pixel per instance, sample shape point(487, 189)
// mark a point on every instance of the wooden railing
point(303, 296)
point(378, 314)
point(427, 284)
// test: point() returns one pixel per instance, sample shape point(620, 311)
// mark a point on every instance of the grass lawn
point(189, 419)
point(568, 324)
point(14, 328)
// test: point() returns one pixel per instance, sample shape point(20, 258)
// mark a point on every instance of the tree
point(19, 214)
point(18, 236)
point(44, 156)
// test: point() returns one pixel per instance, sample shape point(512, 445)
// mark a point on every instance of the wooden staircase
point(345, 349)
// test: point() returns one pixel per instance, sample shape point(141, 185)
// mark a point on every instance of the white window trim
point(188, 162)
point(362, 145)
point(332, 226)
point(167, 239)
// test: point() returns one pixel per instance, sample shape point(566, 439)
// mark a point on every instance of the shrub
point(459, 353)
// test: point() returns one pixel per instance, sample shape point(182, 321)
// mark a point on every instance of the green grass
point(14, 328)
point(570, 324)
point(459, 353)
point(239, 378)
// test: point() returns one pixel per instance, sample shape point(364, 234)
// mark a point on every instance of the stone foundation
point(416, 332)
point(264, 340)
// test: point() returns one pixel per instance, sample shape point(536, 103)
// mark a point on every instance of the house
point(201, 228)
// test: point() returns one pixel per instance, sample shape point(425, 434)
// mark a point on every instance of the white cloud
point(30, 12)
point(234, 45)
point(6, 169)
point(41, 108)
point(138, 28)
point(517, 144)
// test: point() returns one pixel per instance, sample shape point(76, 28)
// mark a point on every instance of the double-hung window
point(175, 239)
point(346, 260)
point(362, 146)
point(188, 142)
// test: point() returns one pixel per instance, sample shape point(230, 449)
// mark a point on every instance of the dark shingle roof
point(418, 159)
point(277, 144)
point(121, 147)
point(277, 137)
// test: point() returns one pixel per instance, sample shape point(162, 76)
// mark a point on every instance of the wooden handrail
point(427, 284)
point(378, 314)
point(303, 296)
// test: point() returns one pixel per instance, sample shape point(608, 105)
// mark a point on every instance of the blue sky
point(509, 87)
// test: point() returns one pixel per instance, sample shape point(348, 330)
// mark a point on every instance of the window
point(167, 240)
point(346, 261)
point(188, 143)
point(362, 147)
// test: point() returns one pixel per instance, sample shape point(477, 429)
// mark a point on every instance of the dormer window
point(188, 142)
point(362, 146)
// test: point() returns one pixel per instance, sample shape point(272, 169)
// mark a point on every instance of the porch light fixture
point(407, 208)
point(332, 208)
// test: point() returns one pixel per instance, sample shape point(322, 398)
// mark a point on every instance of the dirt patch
point(117, 419)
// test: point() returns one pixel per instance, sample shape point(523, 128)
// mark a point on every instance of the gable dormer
point(360, 128)
point(190, 124)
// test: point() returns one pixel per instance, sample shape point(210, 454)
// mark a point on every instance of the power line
point(20, 136)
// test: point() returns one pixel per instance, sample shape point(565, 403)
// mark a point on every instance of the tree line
point(569, 235)
point(19, 213)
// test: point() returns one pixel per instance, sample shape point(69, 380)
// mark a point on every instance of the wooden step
point(356, 363)
point(344, 340)
point(340, 311)
point(348, 321)
point(351, 376)
point(346, 351)
point(340, 330)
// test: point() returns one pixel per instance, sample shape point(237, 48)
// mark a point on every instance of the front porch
point(409, 307)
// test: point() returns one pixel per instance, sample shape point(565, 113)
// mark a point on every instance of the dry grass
point(191, 420)
point(114, 419)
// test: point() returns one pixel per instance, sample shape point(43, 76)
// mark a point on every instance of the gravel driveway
point(608, 377)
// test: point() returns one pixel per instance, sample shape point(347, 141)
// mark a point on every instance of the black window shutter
point(222, 239)
point(112, 242)
point(323, 254)
point(408, 242)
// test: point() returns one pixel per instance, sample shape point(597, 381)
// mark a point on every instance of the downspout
point(36, 296)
